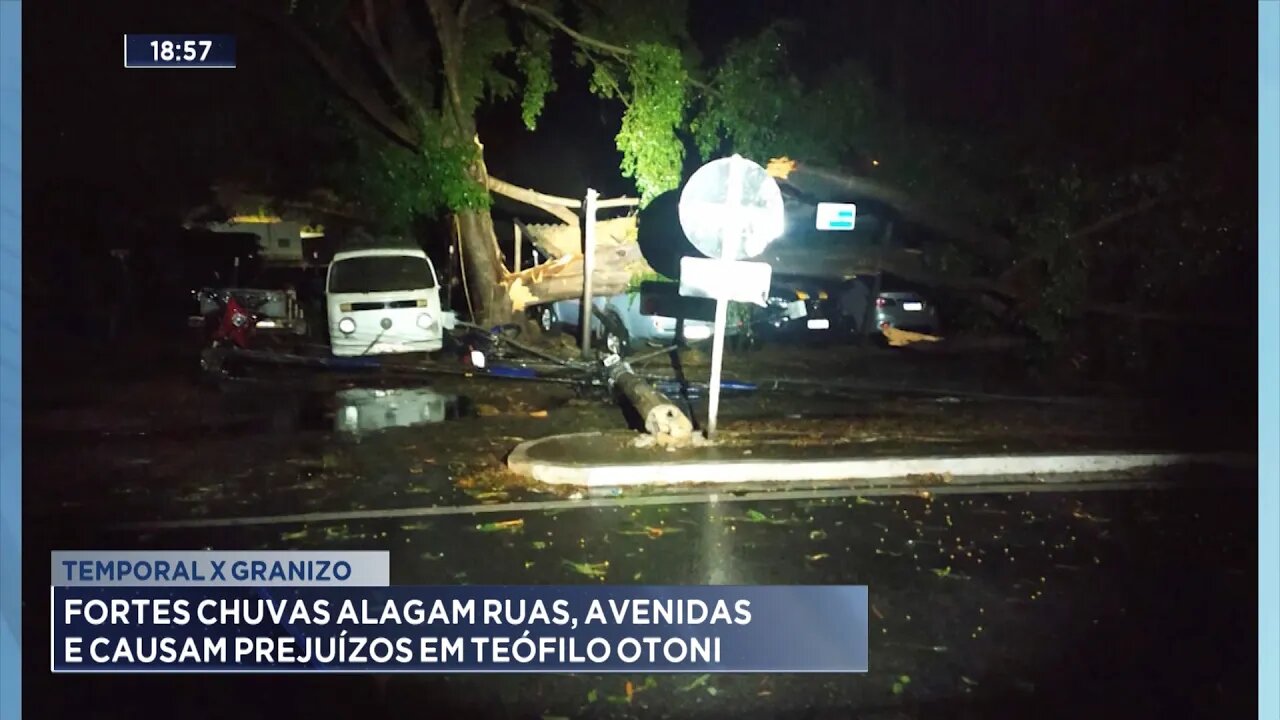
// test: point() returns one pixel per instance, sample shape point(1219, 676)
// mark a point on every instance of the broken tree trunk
point(662, 418)
point(618, 260)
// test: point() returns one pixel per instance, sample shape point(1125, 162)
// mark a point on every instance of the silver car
point(906, 311)
point(626, 323)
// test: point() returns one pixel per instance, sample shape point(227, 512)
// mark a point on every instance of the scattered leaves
point(501, 526)
point(288, 536)
point(591, 570)
point(698, 682)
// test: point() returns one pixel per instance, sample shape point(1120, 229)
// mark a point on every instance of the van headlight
point(425, 321)
point(347, 325)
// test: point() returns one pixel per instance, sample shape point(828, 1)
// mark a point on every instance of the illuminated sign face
point(836, 216)
point(731, 209)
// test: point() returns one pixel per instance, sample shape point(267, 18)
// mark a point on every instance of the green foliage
point(754, 95)
point(396, 185)
point(1045, 235)
point(481, 78)
point(534, 62)
point(760, 109)
point(652, 152)
point(640, 278)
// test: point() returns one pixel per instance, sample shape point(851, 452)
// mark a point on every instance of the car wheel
point(547, 318)
point(616, 338)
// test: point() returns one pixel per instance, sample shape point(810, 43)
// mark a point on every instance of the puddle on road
point(360, 411)
point(352, 412)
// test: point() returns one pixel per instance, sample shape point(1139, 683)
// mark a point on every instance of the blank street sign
point(836, 216)
point(736, 280)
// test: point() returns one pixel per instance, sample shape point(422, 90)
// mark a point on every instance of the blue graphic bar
point(472, 629)
point(10, 359)
point(1268, 358)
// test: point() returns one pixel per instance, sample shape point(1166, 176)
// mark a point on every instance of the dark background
point(1093, 80)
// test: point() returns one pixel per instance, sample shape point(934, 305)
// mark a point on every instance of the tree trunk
point(484, 271)
point(483, 268)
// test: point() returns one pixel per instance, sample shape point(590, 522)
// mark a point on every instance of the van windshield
point(380, 273)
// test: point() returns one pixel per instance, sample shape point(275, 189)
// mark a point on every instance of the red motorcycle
point(229, 327)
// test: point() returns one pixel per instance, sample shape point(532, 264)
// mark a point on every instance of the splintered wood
point(902, 338)
point(617, 261)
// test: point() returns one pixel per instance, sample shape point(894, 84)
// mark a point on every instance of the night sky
point(1101, 81)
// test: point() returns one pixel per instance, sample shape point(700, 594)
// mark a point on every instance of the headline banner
point(574, 628)
point(246, 568)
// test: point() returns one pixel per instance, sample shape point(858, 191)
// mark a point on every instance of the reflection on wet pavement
point(995, 605)
point(359, 411)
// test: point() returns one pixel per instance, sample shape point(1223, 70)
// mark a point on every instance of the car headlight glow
point(425, 321)
point(347, 325)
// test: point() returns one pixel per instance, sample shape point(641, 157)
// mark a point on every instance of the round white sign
point(731, 209)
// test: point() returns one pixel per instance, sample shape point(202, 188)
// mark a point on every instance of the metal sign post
point(585, 315)
point(730, 209)
point(730, 235)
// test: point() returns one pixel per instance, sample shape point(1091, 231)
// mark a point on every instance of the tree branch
point(449, 31)
point(363, 96)
point(557, 206)
point(549, 18)
point(618, 51)
point(372, 39)
point(1118, 217)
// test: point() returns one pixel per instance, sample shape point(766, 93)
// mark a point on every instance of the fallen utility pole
point(662, 418)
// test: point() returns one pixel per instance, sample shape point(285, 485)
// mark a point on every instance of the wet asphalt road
point(1116, 604)
point(1134, 604)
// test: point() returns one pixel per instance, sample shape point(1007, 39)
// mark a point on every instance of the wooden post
point(662, 418)
point(516, 228)
point(588, 268)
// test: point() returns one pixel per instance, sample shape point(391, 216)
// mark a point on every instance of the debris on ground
point(501, 526)
point(902, 338)
point(591, 570)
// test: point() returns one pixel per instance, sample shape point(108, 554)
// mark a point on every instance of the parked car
point(799, 308)
point(843, 310)
point(623, 322)
point(273, 297)
point(906, 310)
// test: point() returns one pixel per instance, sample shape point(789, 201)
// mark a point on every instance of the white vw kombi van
point(384, 300)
